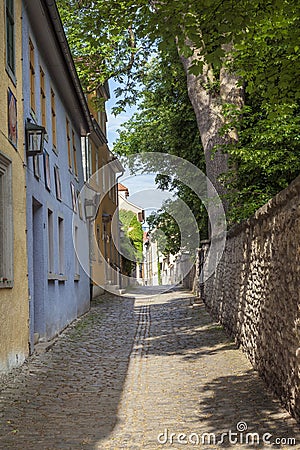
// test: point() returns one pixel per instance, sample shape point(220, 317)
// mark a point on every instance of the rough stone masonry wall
point(255, 293)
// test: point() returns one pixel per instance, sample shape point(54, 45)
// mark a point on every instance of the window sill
point(6, 284)
point(61, 278)
point(55, 276)
point(76, 277)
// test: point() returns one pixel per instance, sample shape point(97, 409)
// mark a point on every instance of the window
point(110, 183)
point(69, 143)
point(79, 203)
point(61, 248)
point(50, 242)
point(10, 35)
point(43, 97)
point(103, 172)
point(32, 76)
point(141, 216)
point(98, 236)
point(86, 150)
point(114, 198)
point(53, 118)
point(76, 262)
point(36, 167)
point(47, 171)
point(57, 183)
point(97, 166)
point(89, 163)
point(6, 223)
point(102, 119)
point(74, 198)
point(74, 154)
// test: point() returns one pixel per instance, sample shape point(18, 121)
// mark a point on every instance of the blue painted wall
point(53, 303)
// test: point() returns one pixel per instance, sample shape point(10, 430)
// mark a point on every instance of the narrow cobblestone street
point(133, 371)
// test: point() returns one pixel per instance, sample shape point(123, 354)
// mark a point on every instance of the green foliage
point(265, 160)
point(166, 232)
point(132, 242)
point(159, 272)
point(107, 39)
point(267, 52)
point(166, 123)
point(171, 227)
point(267, 156)
point(115, 38)
point(111, 38)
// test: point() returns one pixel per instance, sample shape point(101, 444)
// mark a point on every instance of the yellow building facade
point(103, 170)
point(14, 300)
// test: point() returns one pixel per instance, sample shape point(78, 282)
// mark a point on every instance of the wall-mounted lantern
point(91, 206)
point(35, 135)
point(89, 209)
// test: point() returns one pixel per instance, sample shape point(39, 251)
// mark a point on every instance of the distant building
point(126, 205)
point(164, 269)
point(168, 269)
point(151, 264)
point(123, 190)
point(14, 299)
point(56, 224)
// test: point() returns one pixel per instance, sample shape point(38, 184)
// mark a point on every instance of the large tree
point(226, 47)
point(165, 122)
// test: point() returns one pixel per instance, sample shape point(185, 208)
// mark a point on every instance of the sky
point(114, 123)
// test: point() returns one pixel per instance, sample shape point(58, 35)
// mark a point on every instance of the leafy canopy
point(115, 38)
point(118, 38)
point(165, 122)
point(132, 242)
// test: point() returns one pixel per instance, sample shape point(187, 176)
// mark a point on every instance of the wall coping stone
point(281, 199)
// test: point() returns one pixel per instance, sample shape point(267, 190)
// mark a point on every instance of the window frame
point(53, 120)
point(68, 134)
point(6, 223)
point(50, 229)
point(97, 166)
point(32, 76)
point(10, 34)
point(76, 260)
point(61, 245)
point(74, 154)
point(43, 98)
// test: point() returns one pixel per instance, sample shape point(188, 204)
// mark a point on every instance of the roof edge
point(58, 28)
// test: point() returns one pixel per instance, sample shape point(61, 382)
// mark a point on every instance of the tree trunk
point(207, 103)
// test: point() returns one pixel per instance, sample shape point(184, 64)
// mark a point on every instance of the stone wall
point(255, 293)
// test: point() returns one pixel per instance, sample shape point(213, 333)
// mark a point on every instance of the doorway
point(37, 279)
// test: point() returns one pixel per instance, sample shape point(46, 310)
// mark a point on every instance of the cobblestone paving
point(132, 372)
